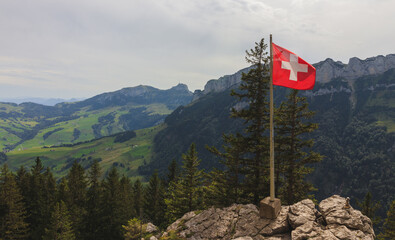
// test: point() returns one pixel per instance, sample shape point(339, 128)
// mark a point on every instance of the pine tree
point(192, 177)
point(225, 186)
point(112, 207)
point(369, 208)
point(172, 172)
point(12, 210)
point(184, 195)
point(40, 199)
point(138, 198)
point(60, 227)
point(133, 229)
point(126, 199)
point(154, 204)
point(76, 201)
point(94, 214)
point(389, 224)
point(249, 151)
point(293, 159)
point(63, 191)
point(22, 180)
point(216, 191)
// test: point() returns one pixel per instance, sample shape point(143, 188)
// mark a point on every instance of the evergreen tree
point(63, 191)
point(12, 210)
point(154, 204)
point(22, 180)
point(172, 172)
point(249, 151)
point(389, 224)
point(94, 215)
point(369, 208)
point(293, 159)
point(215, 189)
point(126, 198)
point(60, 227)
point(191, 178)
point(76, 201)
point(138, 198)
point(112, 207)
point(184, 194)
point(133, 230)
point(39, 199)
point(225, 186)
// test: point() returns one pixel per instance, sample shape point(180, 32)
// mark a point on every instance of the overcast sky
point(80, 48)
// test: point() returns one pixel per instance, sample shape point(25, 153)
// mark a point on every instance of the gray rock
point(311, 230)
point(279, 225)
point(329, 69)
point(298, 221)
point(151, 228)
point(347, 220)
point(243, 238)
point(176, 225)
point(301, 212)
point(279, 237)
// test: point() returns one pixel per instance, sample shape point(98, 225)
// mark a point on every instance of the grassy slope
point(385, 100)
point(127, 156)
point(84, 125)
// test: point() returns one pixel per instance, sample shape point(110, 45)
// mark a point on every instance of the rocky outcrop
point(221, 84)
point(332, 220)
point(329, 69)
point(326, 71)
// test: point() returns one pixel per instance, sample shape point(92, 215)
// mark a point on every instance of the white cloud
point(81, 48)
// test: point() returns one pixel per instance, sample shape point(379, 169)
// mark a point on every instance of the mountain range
point(28, 125)
point(354, 105)
point(42, 101)
point(355, 111)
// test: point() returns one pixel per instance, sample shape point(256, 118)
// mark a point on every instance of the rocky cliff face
point(326, 71)
point(329, 69)
point(332, 220)
point(221, 84)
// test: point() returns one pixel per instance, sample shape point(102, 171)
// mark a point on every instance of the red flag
point(289, 70)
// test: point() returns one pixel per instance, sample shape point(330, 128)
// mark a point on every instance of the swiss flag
point(289, 70)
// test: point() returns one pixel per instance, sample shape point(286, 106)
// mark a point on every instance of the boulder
point(299, 221)
point(301, 212)
point(346, 220)
point(150, 228)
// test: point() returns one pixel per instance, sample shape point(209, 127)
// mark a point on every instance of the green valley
point(30, 125)
point(127, 156)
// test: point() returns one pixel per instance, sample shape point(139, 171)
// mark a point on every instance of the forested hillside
point(356, 134)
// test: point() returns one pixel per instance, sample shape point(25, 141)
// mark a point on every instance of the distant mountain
point(355, 110)
point(30, 125)
point(42, 101)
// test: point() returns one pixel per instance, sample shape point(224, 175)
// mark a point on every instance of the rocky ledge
point(333, 219)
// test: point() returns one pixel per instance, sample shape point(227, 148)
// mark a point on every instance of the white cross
point(294, 66)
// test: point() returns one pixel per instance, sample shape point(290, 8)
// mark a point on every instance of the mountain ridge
point(327, 71)
point(104, 114)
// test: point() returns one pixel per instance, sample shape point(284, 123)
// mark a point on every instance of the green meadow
point(126, 156)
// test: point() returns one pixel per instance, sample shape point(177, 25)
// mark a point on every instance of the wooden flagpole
point(271, 125)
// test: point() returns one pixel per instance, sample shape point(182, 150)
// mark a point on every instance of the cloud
point(81, 48)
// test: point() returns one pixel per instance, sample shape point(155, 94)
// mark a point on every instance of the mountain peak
point(180, 87)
